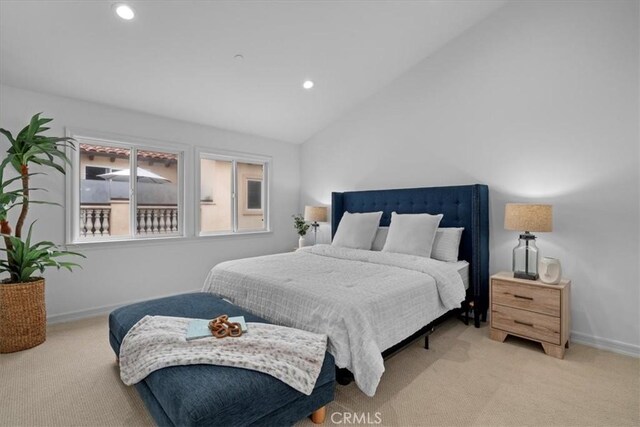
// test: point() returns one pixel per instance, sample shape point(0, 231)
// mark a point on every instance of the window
point(233, 194)
point(216, 196)
point(108, 204)
point(254, 195)
point(93, 173)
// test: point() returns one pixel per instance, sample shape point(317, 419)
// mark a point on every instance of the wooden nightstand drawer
point(527, 297)
point(531, 309)
point(526, 323)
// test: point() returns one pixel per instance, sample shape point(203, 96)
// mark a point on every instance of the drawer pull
point(522, 297)
point(523, 323)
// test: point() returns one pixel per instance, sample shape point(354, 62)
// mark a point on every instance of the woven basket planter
point(23, 316)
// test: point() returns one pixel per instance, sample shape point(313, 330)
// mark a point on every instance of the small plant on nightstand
point(301, 227)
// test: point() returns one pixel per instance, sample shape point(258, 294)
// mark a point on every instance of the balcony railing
point(96, 220)
point(157, 220)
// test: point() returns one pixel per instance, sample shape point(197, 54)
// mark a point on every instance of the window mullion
point(133, 200)
point(234, 195)
point(75, 197)
point(264, 196)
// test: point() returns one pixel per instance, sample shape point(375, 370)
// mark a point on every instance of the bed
point(463, 206)
point(368, 302)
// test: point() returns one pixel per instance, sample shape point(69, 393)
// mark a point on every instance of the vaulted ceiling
point(177, 58)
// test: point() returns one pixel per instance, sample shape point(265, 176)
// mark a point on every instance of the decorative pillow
point(446, 245)
point(412, 234)
point(357, 230)
point(381, 237)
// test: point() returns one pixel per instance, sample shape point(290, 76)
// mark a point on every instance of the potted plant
point(301, 227)
point(23, 319)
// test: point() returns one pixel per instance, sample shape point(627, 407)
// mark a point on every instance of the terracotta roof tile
point(124, 152)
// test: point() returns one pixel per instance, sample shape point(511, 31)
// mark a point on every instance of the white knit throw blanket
point(290, 355)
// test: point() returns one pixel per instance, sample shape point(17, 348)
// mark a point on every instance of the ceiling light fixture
point(239, 57)
point(124, 11)
point(308, 84)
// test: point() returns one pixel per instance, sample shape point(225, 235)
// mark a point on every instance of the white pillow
point(447, 244)
point(412, 234)
point(357, 230)
point(381, 237)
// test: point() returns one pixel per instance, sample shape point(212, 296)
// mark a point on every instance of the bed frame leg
point(479, 315)
point(318, 416)
point(426, 337)
point(343, 376)
point(467, 308)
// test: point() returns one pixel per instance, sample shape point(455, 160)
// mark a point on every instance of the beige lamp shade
point(528, 217)
point(315, 213)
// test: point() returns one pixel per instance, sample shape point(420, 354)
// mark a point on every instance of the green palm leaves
point(26, 258)
point(29, 146)
point(7, 198)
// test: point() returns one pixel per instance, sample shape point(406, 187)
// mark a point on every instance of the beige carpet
point(465, 379)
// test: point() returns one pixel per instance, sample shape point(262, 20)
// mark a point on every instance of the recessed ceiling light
point(308, 84)
point(239, 57)
point(124, 11)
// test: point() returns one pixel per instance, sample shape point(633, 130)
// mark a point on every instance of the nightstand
point(531, 309)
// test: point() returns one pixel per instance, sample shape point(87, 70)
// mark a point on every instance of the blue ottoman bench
point(209, 395)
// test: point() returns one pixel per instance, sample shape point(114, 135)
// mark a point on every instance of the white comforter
point(365, 301)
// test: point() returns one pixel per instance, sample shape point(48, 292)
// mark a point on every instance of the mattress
point(463, 269)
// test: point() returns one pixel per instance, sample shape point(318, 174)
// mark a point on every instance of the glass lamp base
point(525, 258)
point(524, 275)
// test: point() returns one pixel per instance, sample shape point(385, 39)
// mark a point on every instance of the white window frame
point(133, 144)
point(236, 208)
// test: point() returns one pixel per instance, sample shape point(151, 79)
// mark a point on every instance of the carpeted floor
point(465, 379)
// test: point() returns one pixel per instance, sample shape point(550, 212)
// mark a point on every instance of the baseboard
point(577, 337)
point(105, 309)
point(606, 344)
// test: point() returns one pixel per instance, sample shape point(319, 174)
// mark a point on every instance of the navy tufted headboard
point(463, 206)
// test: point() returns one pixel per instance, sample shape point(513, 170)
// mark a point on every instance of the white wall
point(118, 273)
point(540, 102)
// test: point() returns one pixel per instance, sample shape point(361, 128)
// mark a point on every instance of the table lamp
point(315, 214)
point(527, 217)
